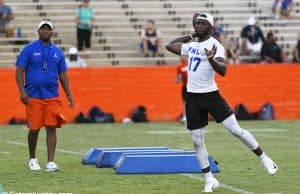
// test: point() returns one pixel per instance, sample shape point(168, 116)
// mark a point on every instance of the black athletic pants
point(83, 39)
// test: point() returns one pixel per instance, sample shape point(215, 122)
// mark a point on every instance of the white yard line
point(208, 130)
point(168, 132)
point(227, 187)
point(69, 152)
point(279, 137)
point(267, 130)
point(13, 142)
point(25, 145)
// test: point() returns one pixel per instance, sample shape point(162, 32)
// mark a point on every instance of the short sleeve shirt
point(5, 10)
point(253, 34)
point(85, 16)
point(201, 75)
point(42, 65)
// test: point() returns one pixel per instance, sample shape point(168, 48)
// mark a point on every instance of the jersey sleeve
point(9, 11)
point(23, 58)
point(185, 49)
point(220, 50)
point(62, 63)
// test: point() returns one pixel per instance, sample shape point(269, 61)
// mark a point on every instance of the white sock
point(263, 156)
point(201, 151)
point(208, 175)
point(200, 148)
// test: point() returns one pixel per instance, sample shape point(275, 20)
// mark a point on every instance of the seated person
point(73, 60)
point(296, 52)
point(6, 16)
point(283, 8)
point(233, 53)
point(151, 39)
point(252, 38)
point(271, 51)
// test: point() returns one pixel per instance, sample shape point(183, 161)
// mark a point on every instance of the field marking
point(168, 132)
point(267, 130)
point(175, 132)
point(228, 187)
point(13, 142)
point(280, 137)
point(4, 152)
point(68, 151)
point(44, 148)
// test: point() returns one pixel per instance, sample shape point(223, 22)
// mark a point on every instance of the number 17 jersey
point(201, 75)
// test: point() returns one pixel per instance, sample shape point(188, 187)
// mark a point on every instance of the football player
point(206, 56)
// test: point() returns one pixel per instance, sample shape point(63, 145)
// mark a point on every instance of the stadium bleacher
point(115, 39)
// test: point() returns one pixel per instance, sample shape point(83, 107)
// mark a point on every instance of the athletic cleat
point(270, 166)
point(34, 165)
point(211, 185)
point(52, 167)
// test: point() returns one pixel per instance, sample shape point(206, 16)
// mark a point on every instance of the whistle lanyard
point(45, 59)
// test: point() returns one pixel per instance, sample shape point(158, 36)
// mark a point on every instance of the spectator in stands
point(271, 51)
point(74, 60)
point(283, 8)
point(296, 51)
point(84, 19)
point(252, 38)
point(181, 77)
point(151, 39)
point(219, 33)
point(6, 16)
point(233, 53)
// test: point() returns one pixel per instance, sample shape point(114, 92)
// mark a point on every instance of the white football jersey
point(201, 75)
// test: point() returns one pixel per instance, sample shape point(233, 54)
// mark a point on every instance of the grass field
point(241, 171)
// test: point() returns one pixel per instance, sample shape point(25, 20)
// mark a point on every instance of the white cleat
point(52, 167)
point(270, 166)
point(211, 185)
point(34, 165)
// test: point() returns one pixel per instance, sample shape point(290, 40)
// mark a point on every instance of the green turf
point(241, 171)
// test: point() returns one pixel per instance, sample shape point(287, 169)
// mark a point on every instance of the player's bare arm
point(218, 63)
point(175, 45)
point(20, 83)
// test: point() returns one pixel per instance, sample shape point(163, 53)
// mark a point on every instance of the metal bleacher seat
point(115, 39)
